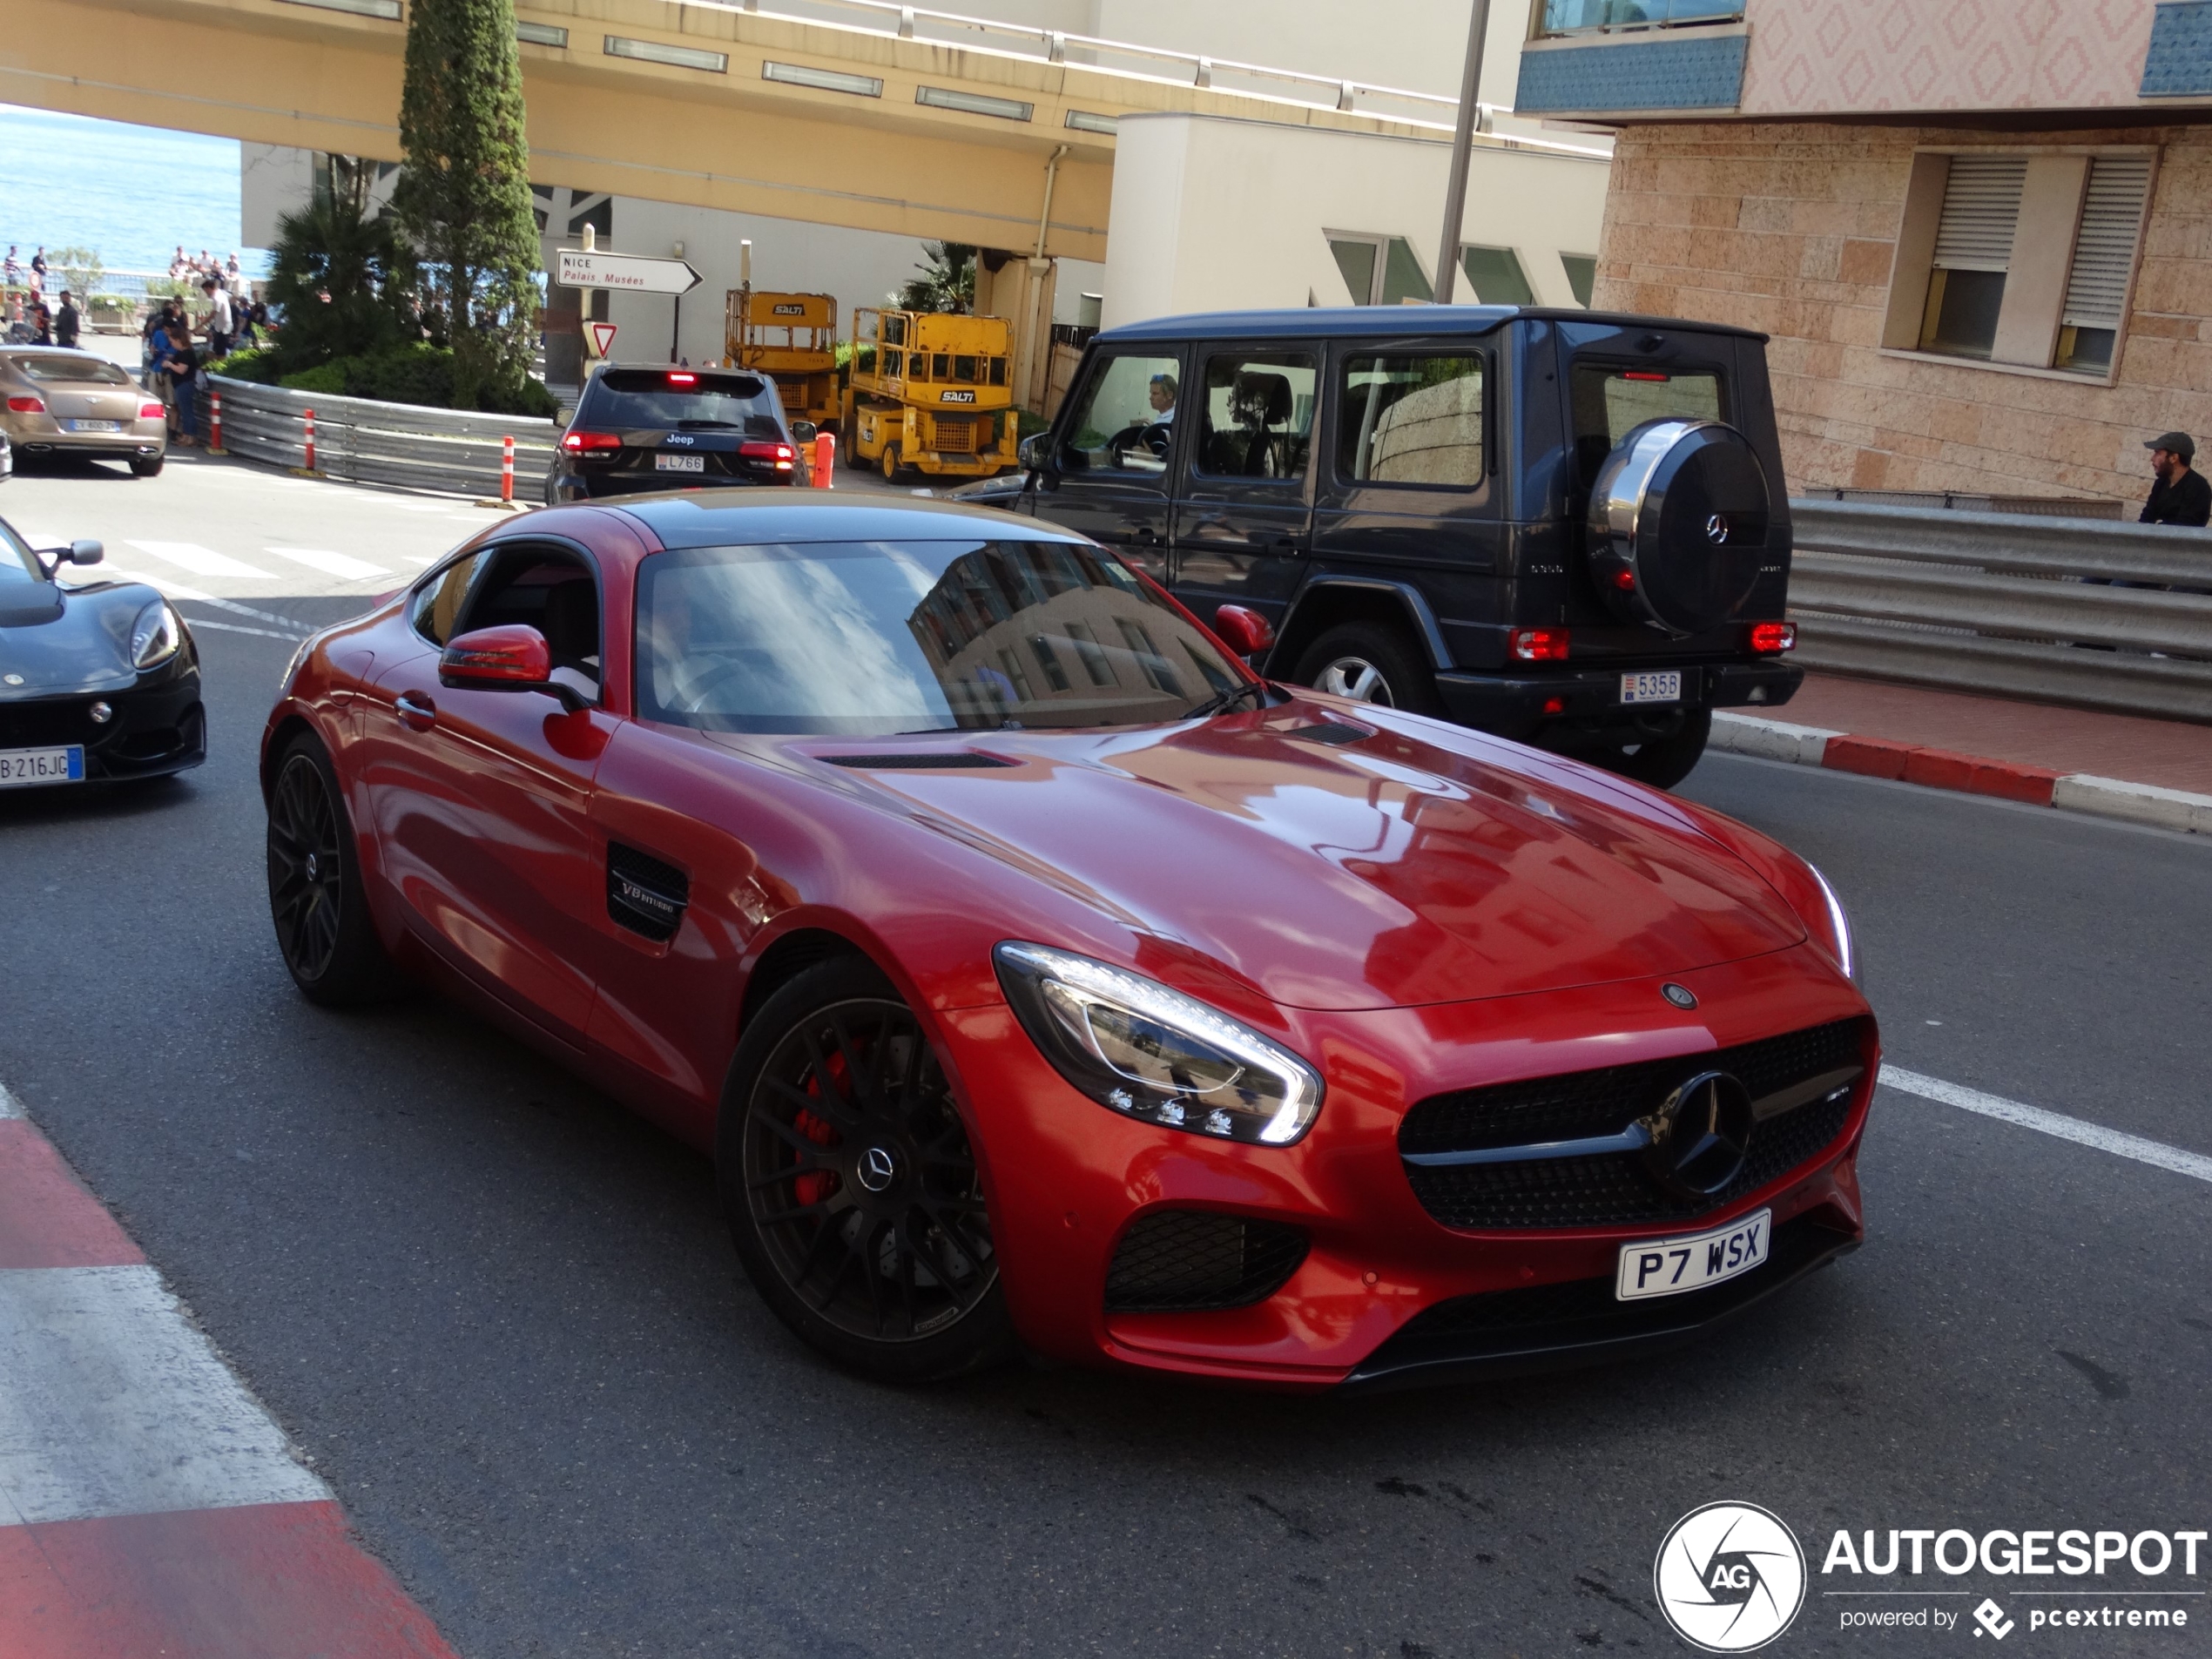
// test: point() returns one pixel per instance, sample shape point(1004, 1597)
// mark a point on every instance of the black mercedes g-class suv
point(1564, 527)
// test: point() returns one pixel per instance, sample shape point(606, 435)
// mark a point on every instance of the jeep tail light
point(1540, 645)
point(578, 440)
point(27, 405)
point(683, 380)
point(151, 410)
point(1770, 638)
point(782, 453)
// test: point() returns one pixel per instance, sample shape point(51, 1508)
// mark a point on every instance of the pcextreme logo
point(1729, 1577)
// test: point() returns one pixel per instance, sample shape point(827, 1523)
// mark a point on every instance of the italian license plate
point(1652, 688)
point(20, 768)
point(96, 426)
point(1669, 1266)
point(680, 463)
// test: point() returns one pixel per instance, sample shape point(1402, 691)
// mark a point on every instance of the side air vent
point(938, 761)
point(644, 894)
point(1189, 1260)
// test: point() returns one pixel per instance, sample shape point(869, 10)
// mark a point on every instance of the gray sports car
point(57, 401)
point(97, 682)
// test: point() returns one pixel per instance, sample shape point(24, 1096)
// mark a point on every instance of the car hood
point(58, 640)
point(1343, 861)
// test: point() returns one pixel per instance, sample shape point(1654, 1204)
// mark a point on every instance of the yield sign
point(603, 337)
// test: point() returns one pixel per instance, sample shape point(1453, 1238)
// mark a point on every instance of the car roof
point(1396, 322)
point(697, 518)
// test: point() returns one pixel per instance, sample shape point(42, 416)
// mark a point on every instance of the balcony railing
point(1598, 17)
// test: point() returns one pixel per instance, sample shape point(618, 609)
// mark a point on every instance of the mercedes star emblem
point(1680, 995)
point(1716, 529)
point(876, 1169)
point(1699, 1135)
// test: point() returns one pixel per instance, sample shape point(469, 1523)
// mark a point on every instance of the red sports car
point(1036, 974)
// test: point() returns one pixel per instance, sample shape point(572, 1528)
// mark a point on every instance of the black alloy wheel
point(324, 931)
point(852, 1194)
point(1369, 661)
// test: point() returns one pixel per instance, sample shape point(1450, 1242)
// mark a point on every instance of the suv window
point(1258, 415)
point(1126, 421)
point(622, 399)
point(1411, 420)
point(1611, 400)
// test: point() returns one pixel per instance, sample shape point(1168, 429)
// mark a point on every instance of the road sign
point(602, 335)
point(629, 272)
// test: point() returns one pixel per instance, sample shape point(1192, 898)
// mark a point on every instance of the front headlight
point(155, 636)
point(1846, 953)
point(1136, 1046)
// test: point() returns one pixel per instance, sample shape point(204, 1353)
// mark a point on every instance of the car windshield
point(623, 399)
point(70, 369)
point(17, 563)
point(874, 637)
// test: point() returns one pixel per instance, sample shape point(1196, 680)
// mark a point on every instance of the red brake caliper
point(815, 1185)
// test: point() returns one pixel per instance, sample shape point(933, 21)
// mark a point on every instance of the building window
point(1591, 17)
point(2018, 258)
point(1496, 276)
point(1582, 276)
point(1379, 270)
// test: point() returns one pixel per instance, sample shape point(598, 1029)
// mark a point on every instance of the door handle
point(1147, 538)
point(416, 711)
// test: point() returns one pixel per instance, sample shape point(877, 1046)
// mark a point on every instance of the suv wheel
point(1662, 762)
point(1369, 661)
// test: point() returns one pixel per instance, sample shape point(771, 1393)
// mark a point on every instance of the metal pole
point(1455, 192)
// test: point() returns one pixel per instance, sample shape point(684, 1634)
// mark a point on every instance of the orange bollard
point(825, 459)
point(311, 441)
point(507, 469)
point(215, 424)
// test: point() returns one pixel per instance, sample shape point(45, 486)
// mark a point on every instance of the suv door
point(1242, 507)
point(1109, 475)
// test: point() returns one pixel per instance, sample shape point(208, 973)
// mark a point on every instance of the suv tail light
point(27, 405)
point(1769, 638)
point(576, 441)
point(782, 453)
point(1539, 644)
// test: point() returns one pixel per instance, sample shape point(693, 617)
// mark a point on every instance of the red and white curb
point(148, 1504)
point(1912, 763)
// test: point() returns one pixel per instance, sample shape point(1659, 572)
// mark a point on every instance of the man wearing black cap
point(2180, 495)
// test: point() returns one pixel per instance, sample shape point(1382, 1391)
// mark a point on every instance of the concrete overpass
point(863, 114)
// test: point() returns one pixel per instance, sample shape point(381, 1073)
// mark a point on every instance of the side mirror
point(84, 552)
point(1035, 452)
point(803, 431)
point(1243, 631)
point(512, 658)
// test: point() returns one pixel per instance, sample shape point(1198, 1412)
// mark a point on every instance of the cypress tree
point(464, 196)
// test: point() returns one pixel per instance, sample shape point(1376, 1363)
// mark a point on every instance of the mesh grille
point(644, 894)
point(46, 720)
point(953, 433)
point(1613, 1188)
point(1186, 1260)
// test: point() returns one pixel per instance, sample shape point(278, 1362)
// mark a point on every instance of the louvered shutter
point(1981, 208)
point(2112, 212)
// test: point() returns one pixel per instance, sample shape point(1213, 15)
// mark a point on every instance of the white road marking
point(115, 1405)
point(337, 564)
point(200, 560)
point(2155, 1153)
point(233, 628)
point(421, 558)
point(10, 1106)
point(177, 589)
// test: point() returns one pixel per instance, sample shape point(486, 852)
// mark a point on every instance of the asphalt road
point(502, 1318)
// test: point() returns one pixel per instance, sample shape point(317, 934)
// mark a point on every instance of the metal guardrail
point(455, 451)
point(2012, 605)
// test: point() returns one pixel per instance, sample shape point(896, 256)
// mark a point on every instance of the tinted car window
point(72, 371)
point(1127, 417)
point(1611, 401)
point(437, 603)
point(1258, 415)
point(1415, 420)
point(624, 398)
point(17, 563)
point(877, 637)
point(550, 591)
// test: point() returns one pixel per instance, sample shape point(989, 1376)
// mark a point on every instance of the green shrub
point(258, 366)
point(420, 373)
point(324, 377)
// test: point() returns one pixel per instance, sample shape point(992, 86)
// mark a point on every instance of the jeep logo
point(789, 311)
point(680, 437)
point(955, 397)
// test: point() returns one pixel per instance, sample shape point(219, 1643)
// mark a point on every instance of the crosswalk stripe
point(177, 589)
point(337, 564)
point(200, 560)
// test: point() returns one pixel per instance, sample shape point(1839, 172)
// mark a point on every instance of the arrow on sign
point(630, 271)
point(603, 338)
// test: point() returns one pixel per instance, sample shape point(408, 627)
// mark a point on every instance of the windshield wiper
point(1222, 701)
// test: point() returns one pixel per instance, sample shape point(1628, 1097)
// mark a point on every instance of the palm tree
point(946, 282)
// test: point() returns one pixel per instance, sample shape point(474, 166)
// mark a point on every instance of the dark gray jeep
point(1565, 527)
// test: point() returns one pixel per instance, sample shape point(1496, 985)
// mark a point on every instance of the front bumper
point(1516, 706)
point(1359, 1304)
point(155, 729)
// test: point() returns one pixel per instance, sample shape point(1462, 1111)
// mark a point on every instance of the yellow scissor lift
point(792, 337)
point(931, 392)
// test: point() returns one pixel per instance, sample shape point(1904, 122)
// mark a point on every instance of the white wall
point(1215, 215)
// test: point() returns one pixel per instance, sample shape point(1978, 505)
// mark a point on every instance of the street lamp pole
point(1455, 193)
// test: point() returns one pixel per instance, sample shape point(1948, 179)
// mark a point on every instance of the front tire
point(324, 931)
point(852, 1193)
point(1663, 762)
point(1369, 661)
point(890, 463)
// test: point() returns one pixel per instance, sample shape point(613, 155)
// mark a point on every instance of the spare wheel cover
point(1678, 524)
